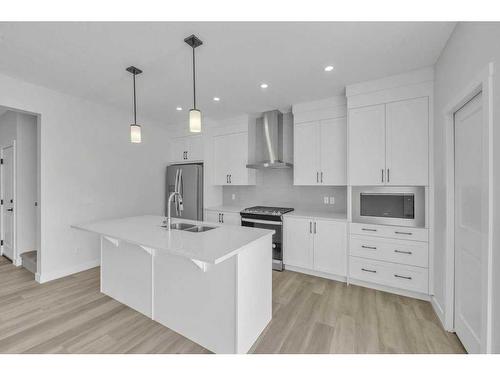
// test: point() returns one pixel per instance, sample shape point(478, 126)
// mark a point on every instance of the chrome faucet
point(181, 207)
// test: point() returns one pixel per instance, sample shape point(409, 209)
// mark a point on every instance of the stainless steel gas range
point(268, 218)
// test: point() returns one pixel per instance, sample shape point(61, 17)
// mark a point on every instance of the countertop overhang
point(212, 247)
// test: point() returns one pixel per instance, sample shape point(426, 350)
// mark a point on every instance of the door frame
point(482, 83)
point(15, 259)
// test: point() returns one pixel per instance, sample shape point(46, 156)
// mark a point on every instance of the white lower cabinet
point(315, 244)
point(396, 257)
point(222, 217)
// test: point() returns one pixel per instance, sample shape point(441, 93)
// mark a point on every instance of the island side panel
point(126, 274)
point(198, 305)
point(254, 292)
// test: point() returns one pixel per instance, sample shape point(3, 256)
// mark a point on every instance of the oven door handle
point(257, 221)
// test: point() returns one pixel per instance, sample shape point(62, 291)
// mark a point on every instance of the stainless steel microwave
point(402, 206)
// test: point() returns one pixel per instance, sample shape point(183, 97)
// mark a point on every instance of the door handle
point(407, 233)
point(310, 227)
point(382, 174)
point(321, 177)
point(317, 177)
point(369, 247)
point(222, 218)
point(10, 209)
point(230, 179)
point(314, 227)
point(227, 179)
point(219, 218)
point(367, 270)
point(186, 155)
point(388, 175)
point(369, 229)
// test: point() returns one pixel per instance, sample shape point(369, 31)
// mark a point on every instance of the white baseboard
point(316, 273)
point(438, 309)
point(44, 277)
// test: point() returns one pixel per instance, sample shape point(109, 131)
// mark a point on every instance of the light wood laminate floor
point(310, 315)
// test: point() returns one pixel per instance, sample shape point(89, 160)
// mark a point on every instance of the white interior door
point(8, 199)
point(470, 226)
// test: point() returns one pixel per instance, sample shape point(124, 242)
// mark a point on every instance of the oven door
point(401, 206)
point(272, 224)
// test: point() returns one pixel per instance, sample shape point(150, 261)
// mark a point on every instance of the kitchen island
point(213, 287)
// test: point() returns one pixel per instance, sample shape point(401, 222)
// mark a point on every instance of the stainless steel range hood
point(273, 142)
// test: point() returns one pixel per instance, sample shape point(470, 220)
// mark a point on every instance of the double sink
point(189, 227)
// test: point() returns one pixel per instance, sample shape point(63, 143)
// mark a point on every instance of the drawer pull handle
point(402, 277)
point(403, 252)
point(407, 233)
point(369, 247)
point(369, 229)
point(367, 270)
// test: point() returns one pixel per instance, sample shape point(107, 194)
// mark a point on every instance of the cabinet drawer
point(412, 253)
point(404, 233)
point(390, 274)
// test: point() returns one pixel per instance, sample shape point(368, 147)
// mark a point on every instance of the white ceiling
point(89, 60)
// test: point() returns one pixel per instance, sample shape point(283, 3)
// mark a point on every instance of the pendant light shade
point(194, 114)
point(135, 133)
point(194, 121)
point(135, 130)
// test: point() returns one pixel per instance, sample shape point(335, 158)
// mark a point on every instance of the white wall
point(26, 184)
point(89, 170)
point(22, 128)
point(470, 48)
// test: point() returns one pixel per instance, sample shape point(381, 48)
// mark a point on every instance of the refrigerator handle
point(181, 191)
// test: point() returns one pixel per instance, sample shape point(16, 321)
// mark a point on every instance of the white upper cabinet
point(306, 156)
point(367, 145)
point(389, 143)
point(320, 152)
point(407, 142)
point(231, 159)
point(333, 151)
point(188, 148)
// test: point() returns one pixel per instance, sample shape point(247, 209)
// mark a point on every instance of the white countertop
point(318, 214)
point(213, 246)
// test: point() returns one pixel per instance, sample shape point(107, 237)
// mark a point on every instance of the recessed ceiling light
point(264, 85)
point(216, 99)
point(179, 108)
point(328, 68)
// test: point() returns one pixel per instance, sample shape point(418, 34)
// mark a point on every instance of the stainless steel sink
point(179, 226)
point(199, 229)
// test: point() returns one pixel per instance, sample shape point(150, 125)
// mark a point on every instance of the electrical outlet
point(325, 200)
point(233, 197)
point(332, 200)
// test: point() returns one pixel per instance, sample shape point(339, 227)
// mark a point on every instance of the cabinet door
point(231, 218)
point(297, 249)
point(330, 247)
point(194, 147)
point(367, 145)
point(222, 156)
point(333, 141)
point(407, 140)
point(237, 146)
point(178, 147)
point(306, 153)
point(212, 216)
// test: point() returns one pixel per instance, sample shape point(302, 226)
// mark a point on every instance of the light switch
point(332, 200)
point(233, 197)
point(325, 200)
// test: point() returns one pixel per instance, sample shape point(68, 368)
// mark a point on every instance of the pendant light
point(194, 113)
point(135, 130)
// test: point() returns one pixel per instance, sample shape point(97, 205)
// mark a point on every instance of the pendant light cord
point(194, 80)
point(135, 107)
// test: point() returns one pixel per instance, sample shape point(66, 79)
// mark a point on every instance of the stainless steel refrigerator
point(188, 180)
